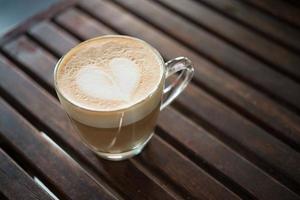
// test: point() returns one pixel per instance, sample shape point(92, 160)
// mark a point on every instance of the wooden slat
point(46, 30)
point(279, 9)
point(123, 175)
point(239, 35)
point(60, 170)
point(268, 112)
point(35, 59)
point(15, 183)
point(230, 58)
point(83, 25)
point(200, 177)
point(259, 21)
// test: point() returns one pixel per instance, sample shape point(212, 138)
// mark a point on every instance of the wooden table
point(233, 134)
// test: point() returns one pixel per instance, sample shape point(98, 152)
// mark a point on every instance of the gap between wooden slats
point(294, 3)
point(16, 183)
point(3, 197)
point(280, 9)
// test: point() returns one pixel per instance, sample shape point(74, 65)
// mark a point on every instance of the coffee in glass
point(111, 88)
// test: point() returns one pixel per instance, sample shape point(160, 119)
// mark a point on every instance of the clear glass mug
point(126, 139)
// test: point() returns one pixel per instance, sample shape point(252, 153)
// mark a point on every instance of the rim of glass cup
point(117, 110)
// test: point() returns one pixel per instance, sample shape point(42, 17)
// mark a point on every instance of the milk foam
point(120, 84)
point(110, 74)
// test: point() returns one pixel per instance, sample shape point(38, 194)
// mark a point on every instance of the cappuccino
point(111, 88)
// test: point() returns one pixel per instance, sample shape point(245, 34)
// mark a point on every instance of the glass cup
point(126, 139)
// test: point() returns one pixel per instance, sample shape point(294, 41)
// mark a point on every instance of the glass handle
point(171, 91)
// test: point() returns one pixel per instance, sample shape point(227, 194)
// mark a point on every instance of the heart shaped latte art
point(117, 85)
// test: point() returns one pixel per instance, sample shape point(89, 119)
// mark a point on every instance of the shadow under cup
point(117, 135)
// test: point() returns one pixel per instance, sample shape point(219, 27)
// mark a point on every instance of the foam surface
point(110, 73)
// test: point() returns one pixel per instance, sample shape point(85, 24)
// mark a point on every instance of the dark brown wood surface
point(234, 133)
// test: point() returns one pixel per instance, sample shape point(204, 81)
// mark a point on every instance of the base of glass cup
point(124, 155)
